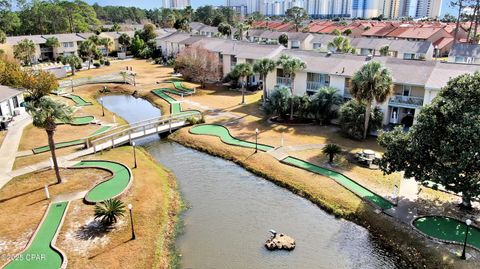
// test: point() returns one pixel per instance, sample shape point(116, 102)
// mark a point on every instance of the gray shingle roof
point(62, 38)
point(14, 40)
point(8, 92)
point(466, 50)
point(175, 37)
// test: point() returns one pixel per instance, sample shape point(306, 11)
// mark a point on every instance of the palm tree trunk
point(460, 6)
point(243, 92)
point(89, 62)
point(291, 102)
point(331, 158)
point(368, 110)
point(466, 201)
point(264, 84)
point(51, 144)
point(73, 69)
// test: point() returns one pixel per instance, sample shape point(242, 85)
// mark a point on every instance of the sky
point(197, 3)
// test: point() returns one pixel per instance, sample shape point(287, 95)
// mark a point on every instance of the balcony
point(284, 81)
point(315, 85)
point(406, 101)
point(46, 49)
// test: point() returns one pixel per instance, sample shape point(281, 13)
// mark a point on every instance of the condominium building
point(176, 4)
point(365, 8)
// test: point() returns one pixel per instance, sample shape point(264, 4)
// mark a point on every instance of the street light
point(134, 155)
point(103, 109)
point(130, 207)
point(468, 222)
point(256, 140)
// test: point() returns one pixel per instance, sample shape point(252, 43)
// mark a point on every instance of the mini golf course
point(79, 101)
point(70, 143)
point(40, 253)
point(447, 229)
point(79, 120)
point(179, 86)
point(364, 193)
point(175, 106)
point(121, 178)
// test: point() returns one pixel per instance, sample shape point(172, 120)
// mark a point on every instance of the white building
point(176, 4)
point(10, 100)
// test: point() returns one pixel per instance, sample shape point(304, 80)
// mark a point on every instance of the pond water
point(231, 211)
point(130, 108)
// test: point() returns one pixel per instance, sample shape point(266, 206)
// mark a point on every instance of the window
point(407, 89)
point(408, 56)
point(315, 81)
point(295, 44)
point(15, 101)
point(233, 60)
point(317, 45)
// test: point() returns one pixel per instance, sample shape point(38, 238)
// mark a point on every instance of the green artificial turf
point(79, 101)
point(224, 135)
point(175, 107)
point(110, 188)
point(346, 182)
point(79, 120)
point(179, 86)
point(101, 130)
point(179, 93)
point(446, 228)
point(40, 254)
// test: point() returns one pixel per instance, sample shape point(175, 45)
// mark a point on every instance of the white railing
point(284, 81)
point(410, 101)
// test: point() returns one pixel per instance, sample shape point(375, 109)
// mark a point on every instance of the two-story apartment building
point(465, 53)
point(11, 41)
point(69, 44)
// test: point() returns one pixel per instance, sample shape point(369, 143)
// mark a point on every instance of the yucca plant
point(109, 211)
point(331, 150)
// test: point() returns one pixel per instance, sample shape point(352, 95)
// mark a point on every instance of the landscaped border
point(438, 240)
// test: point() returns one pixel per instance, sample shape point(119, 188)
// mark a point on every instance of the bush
point(158, 61)
point(107, 63)
point(97, 65)
point(171, 62)
point(352, 119)
point(102, 61)
point(278, 103)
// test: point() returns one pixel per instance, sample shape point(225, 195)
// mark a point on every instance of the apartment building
point(465, 53)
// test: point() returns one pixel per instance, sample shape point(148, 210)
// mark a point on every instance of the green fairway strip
point(79, 101)
point(110, 188)
point(223, 133)
point(225, 136)
point(179, 86)
point(79, 120)
point(449, 229)
point(40, 254)
point(342, 180)
point(175, 107)
point(101, 130)
point(179, 93)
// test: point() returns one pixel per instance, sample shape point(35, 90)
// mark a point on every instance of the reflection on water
point(232, 211)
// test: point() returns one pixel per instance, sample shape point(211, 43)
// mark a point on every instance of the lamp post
point(134, 155)
point(71, 83)
point(103, 109)
point(130, 207)
point(468, 222)
point(256, 140)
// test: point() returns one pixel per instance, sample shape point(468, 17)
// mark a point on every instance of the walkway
point(406, 209)
point(283, 152)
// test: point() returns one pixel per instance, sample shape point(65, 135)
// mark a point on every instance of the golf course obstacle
point(175, 106)
point(79, 101)
point(224, 134)
point(447, 230)
point(179, 86)
point(77, 121)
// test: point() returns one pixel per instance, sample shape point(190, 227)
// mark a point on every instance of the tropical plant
point(124, 41)
point(107, 43)
point(336, 32)
point(325, 104)
point(225, 29)
point(3, 37)
point(52, 42)
point(242, 29)
point(74, 61)
point(296, 15)
point(331, 150)
point(384, 50)
point(443, 145)
point(148, 32)
point(242, 71)
point(263, 67)
point(88, 50)
point(24, 51)
point(137, 45)
point(372, 82)
point(352, 119)
point(302, 105)
point(340, 44)
point(347, 32)
point(109, 211)
point(290, 67)
point(283, 40)
point(45, 114)
point(278, 102)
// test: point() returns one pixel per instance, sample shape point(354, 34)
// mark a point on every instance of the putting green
point(175, 107)
point(79, 101)
point(179, 93)
point(179, 86)
point(346, 182)
point(225, 136)
point(448, 229)
point(79, 120)
point(362, 192)
point(40, 254)
point(110, 188)
point(70, 143)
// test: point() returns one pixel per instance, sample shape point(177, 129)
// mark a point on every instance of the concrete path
point(8, 150)
point(283, 152)
point(406, 209)
point(67, 197)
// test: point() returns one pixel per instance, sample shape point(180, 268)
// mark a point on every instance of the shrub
point(325, 104)
point(109, 211)
point(158, 60)
point(107, 63)
point(102, 61)
point(278, 103)
point(331, 150)
point(352, 118)
point(97, 65)
point(171, 62)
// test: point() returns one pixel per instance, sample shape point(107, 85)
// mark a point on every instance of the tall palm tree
point(242, 29)
point(263, 67)
point(340, 44)
point(242, 71)
point(24, 51)
point(45, 113)
point(331, 150)
point(72, 60)
point(290, 67)
point(109, 211)
point(124, 41)
point(325, 104)
point(52, 42)
point(371, 82)
point(106, 42)
point(88, 49)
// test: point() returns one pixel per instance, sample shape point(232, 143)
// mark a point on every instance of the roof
point(322, 39)
point(195, 26)
point(191, 40)
point(416, 32)
point(240, 49)
point(410, 46)
point(255, 32)
point(443, 72)
point(85, 35)
point(14, 40)
point(443, 42)
point(63, 38)
point(8, 92)
point(369, 43)
point(298, 36)
point(209, 29)
point(466, 50)
point(175, 37)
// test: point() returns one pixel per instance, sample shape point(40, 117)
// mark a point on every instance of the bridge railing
point(141, 126)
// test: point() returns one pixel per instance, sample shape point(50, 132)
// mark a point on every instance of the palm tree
point(283, 40)
point(45, 113)
point(340, 44)
point(52, 42)
point(242, 71)
point(384, 50)
point(325, 104)
point(88, 49)
point(263, 67)
point(106, 42)
point(24, 51)
point(109, 211)
point(371, 82)
point(124, 41)
point(331, 150)
point(72, 60)
point(290, 67)
point(225, 29)
point(242, 29)
point(296, 15)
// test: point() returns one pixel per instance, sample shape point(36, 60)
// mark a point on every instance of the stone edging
point(437, 239)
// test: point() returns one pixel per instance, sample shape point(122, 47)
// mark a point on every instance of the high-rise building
point(176, 4)
point(420, 8)
point(365, 8)
point(389, 8)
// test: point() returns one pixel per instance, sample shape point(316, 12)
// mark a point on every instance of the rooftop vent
point(329, 53)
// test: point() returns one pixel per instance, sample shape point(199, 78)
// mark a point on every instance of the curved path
point(447, 230)
point(175, 106)
point(41, 252)
point(79, 101)
point(364, 193)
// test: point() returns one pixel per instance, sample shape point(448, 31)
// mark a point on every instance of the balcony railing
point(284, 81)
point(315, 85)
point(408, 101)
point(46, 49)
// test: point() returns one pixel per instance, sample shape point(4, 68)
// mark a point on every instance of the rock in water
point(280, 241)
